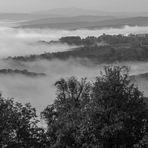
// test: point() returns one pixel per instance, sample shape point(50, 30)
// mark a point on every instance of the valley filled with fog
point(39, 89)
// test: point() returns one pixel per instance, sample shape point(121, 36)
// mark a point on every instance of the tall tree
point(119, 107)
point(65, 116)
point(108, 113)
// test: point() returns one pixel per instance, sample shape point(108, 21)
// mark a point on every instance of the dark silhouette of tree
point(109, 113)
point(120, 109)
point(18, 126)
point(65, 115)
point(71, 40)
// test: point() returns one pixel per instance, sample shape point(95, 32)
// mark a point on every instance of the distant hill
point(104, 49)
point(96, 54)
point(90, 22)
point(54, 20)
point(18, 16)
point(132, 21)
point(53, 13)
point(24, 16)
point(75, 18)
point(70, 12)
point(20, 72)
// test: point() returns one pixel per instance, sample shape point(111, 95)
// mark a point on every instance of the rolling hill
point(90, 22)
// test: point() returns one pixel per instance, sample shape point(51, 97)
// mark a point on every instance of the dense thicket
point(108, 113)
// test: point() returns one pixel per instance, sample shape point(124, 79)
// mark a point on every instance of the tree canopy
point(18, 125)
point(108, 113)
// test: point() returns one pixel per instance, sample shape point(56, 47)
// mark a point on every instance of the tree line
point(107, 113)
point(102, 49)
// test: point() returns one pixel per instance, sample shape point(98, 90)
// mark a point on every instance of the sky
point(103, 5)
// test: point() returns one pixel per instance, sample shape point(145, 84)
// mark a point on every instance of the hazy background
point(22, 42)
point(104, 5)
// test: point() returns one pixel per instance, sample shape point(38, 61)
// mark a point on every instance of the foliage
point(65, 115)
point(71, 40)
point(108, 113)
point(18, 125)
point(121, 107)
point(103, 49)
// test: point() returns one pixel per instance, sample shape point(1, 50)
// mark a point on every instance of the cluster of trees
point(108, 113)
point(72, 40)
point(18, 125)
point(141, 39)
point(104, 49)
point(22, 72)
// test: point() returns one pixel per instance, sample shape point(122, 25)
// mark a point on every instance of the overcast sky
point(104, 5)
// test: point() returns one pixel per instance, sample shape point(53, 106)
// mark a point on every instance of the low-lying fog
point(17, 41)
point(40, 91)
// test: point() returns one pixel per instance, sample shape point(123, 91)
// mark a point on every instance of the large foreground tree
point(119, 109)
point(109, 113)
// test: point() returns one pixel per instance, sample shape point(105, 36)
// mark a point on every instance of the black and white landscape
point(39, 47)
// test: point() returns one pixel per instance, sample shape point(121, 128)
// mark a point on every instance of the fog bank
point(41, 91)
point(21, 42)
